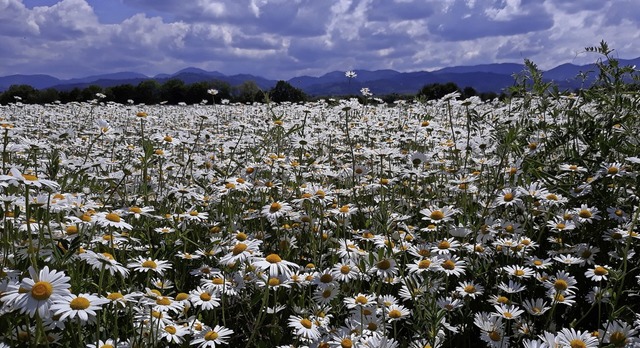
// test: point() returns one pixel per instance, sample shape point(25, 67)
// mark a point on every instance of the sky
point(281, 39)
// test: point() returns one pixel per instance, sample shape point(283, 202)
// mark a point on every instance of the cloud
point(283, 38)
point(462, 20)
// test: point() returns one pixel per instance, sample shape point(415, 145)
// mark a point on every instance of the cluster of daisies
point(328, 224)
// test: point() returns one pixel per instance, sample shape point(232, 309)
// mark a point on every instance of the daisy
point(384, 268)
point(100, 261)
point(452, 265)
point(304, 328)
point(345, 271)
point(423, 265)
point(397, 312)
point(507, 312)
point(142, 265)
point(511, 287)
point(619, 334)
point(242, 251)
point(344, 211)
point(617, 214)
point(324, 296)
point(508, 198)
point(586, 214)
point(518, 271)
point(449, 304)
point(275, 210)
point(535, 307)
point(438, 215)
point(276, 265)
point(209, 339)
point(469, 289)
point(446, 246)
point(112, 219)
point(137, 212)
point(569, 337)
point(174, 333)
point(165, 304)
point(205, 299)
point(597, 273)
point(110, 343)
point(15, 177)
point(360, 301)
point(38, 293)
point(83, 306)
point(572, 168)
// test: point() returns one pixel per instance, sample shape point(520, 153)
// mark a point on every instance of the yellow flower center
point(613, 170)
point(30, 177)
point(275, 206)
point(449, 265)
point(577, 343)
point(211, 336)
point(560, 285)
point(41, 290)
point(181, 296)
point(205, 296)
point(584, 213)
point(600, 271)
point(395, 314)
point(344, 209)
point(361, 300)
point(108, 256)
point(239, 248)
point(436, 215)
point(114, 296)
point(618, 338)
point(306, 323)
point(470, 289)
point(170, 329)
point(79, 303)
point(149, 264)
point(274, 281)
point(345, 269)
point(136, 210)
point(495, 336)
point(518, 272)
point(502, 299)
point(426, 263)
point(163, 301)
point(346, 343)
point(508, 197)
point(273, 258)
point(384, 264)
point(71, 230)
point(326, 278)
point(444, 245)
point(113, 217)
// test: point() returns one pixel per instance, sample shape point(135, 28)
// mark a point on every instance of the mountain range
point(483, 78)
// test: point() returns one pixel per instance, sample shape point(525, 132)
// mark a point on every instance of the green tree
point(25, 92)
point(284, 91)
point(173, 91)
point(437, 90)
point(249, 92)
point(122, 93)
point(147, 92)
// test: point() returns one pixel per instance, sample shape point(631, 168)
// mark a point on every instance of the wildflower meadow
point(333, 223)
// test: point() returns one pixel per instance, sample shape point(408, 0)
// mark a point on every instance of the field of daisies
point(336, 223)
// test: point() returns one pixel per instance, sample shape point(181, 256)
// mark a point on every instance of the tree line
point(175, 91)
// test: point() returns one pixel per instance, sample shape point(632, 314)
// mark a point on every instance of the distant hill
point(483, 78)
